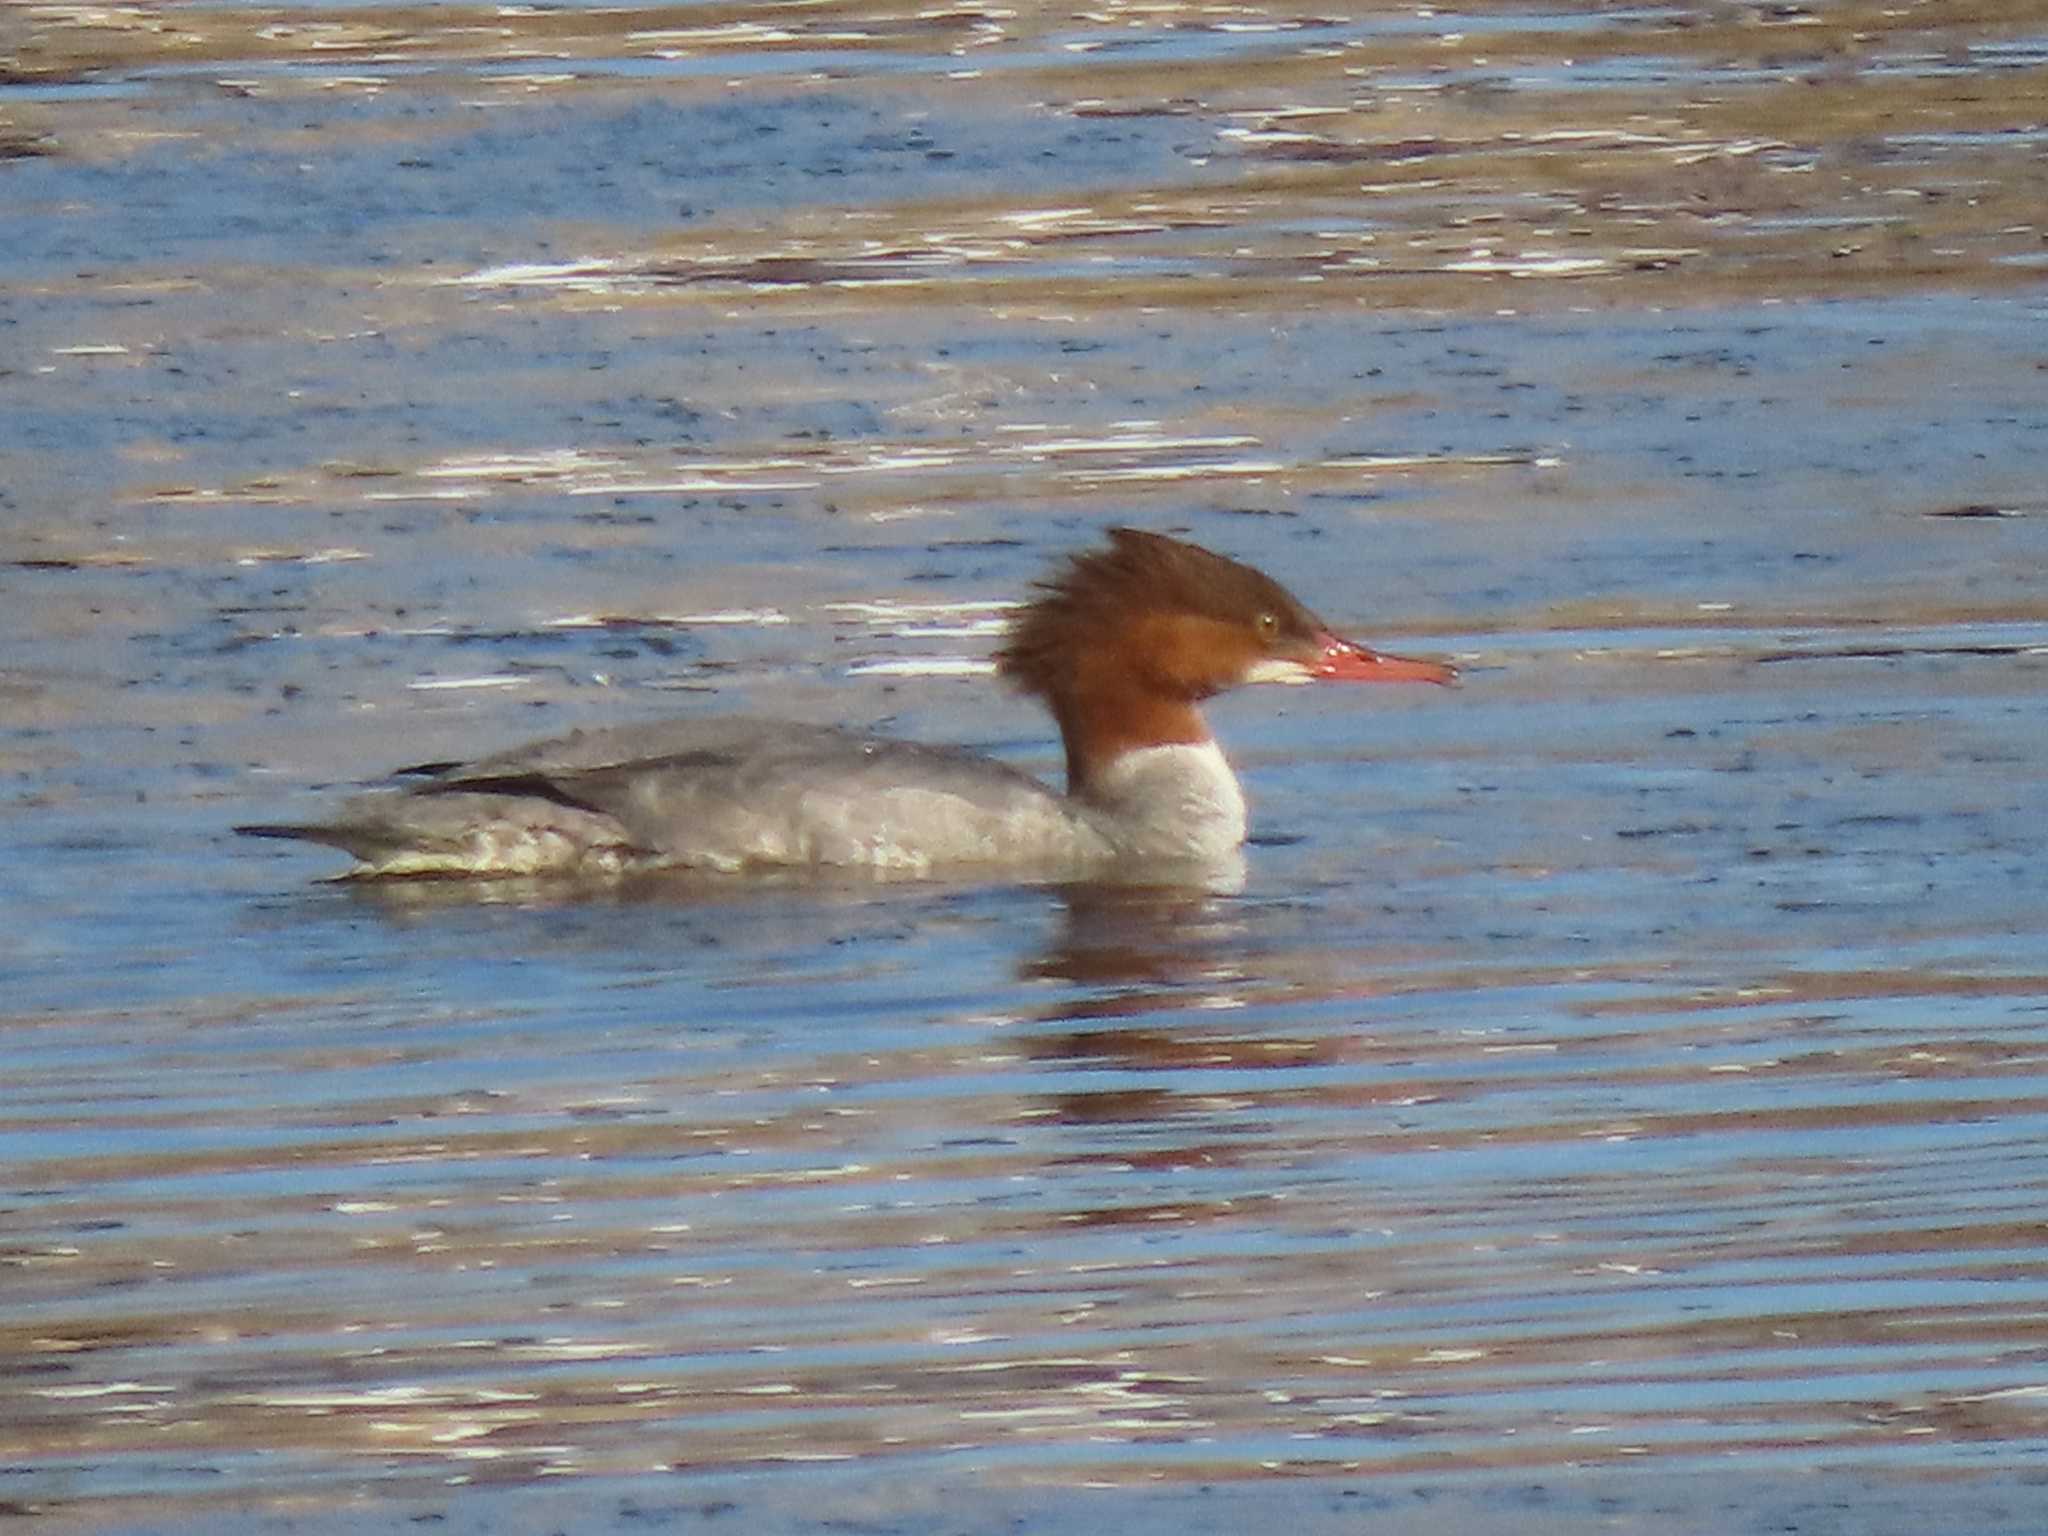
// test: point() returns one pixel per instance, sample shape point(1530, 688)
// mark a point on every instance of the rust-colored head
point(1123, 642)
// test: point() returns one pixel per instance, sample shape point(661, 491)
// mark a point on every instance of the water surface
point(1617, 1094)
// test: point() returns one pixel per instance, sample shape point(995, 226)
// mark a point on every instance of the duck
point(1121, 644)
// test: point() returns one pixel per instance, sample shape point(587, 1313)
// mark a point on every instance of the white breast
point(1179, 801)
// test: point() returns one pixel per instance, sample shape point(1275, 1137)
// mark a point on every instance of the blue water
point(1619, 1085)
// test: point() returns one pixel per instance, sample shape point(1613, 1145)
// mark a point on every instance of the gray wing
point(727, 793)
point(622, 746)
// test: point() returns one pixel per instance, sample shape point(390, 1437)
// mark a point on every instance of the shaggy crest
point(1140, 575)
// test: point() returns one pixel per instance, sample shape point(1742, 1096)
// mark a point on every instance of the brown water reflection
point(1311, 1233)
point(1628, 1065)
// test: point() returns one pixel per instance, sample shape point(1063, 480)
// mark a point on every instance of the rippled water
point(1617, 1097)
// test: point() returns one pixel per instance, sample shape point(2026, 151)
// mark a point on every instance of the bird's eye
point(1269, 623)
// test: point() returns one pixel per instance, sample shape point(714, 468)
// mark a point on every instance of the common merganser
point(1121, 645)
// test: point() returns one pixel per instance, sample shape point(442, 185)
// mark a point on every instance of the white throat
point(1179, 801)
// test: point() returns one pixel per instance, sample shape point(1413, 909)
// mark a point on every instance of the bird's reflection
point(1148, 976)
point(1160, 969)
